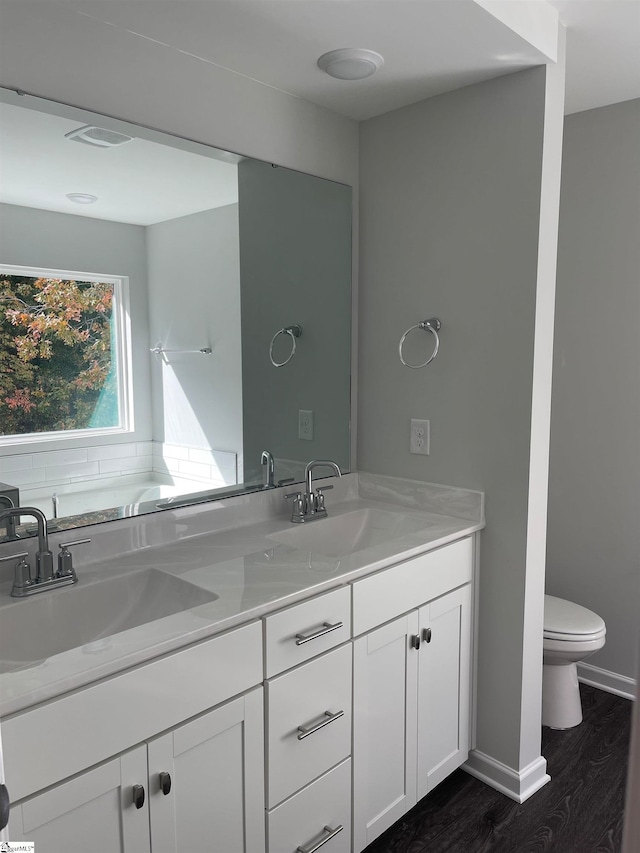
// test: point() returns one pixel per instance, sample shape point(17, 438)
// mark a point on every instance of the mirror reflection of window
point(59, 345)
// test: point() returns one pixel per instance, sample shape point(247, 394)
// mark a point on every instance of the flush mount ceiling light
point(82, 198)
point(100, 137)
point(350, 63)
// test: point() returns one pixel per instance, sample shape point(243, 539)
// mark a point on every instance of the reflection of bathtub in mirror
point(96, 495)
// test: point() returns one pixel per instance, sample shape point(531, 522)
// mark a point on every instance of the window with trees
point(63, 353)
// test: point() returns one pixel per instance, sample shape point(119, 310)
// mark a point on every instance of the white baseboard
point(608, 681)
point(517, 785)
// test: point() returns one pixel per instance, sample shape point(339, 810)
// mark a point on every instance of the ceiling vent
point(100, 137)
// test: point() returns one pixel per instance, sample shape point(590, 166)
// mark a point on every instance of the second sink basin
point(340, 535)
point(59, 620)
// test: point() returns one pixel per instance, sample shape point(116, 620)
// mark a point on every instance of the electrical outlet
point(305, 424)
point(420, 437)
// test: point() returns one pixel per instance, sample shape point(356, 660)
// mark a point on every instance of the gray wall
point(593, 548)
point(295, 262)
point(41, 238)
point(194, 301)
point(450, 201)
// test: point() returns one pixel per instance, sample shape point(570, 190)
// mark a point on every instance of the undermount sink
point(57, 621)
point(340, 535)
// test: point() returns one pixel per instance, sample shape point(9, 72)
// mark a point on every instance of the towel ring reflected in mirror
point(294, 332)
point(432, 325)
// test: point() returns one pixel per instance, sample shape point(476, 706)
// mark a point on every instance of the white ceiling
point(429, 46)
point(603, 51)
point(140, 182)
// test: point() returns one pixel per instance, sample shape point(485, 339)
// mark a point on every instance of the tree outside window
point(58, 355)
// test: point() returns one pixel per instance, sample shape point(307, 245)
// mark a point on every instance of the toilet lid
point(564, 619)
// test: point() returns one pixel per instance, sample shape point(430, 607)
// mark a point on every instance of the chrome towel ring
point(432, 325)
point(294, 332)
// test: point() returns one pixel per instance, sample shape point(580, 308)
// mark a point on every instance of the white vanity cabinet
point(94, 811)
point(308, 725)
point(206, 788)
point(198, 785)
point(411, 685)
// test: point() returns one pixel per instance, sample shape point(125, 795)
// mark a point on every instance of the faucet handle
point(298, 509)
point(22, 577)
point(65, 560)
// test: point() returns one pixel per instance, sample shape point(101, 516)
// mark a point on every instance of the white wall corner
point(518, 785)
point(536, 22)
point(531, 706)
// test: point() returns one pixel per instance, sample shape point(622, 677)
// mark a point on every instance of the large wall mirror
point(169, 312)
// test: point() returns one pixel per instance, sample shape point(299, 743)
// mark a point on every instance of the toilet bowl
point(571, 633)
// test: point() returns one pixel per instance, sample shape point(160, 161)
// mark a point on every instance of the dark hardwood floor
point(579, 811)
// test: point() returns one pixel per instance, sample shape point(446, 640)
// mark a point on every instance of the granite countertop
point(250, 571)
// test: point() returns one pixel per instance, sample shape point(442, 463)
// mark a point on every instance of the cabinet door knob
point(415, 641)
point(5, 803)
point(165, 782)
point(426, 635)
point(138, 796)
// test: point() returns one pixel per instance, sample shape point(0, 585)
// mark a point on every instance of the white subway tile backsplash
point(59, 457)
point(135, 463)
point(61, 473)
point(195, 469)
point(204, 457)
point(145, 448)
point(20, 462)
point(23, 477)
point(111, 451)
point(160, 465)
point(175, 451)
point(91, 477)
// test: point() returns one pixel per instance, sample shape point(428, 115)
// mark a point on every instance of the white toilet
point(571, 633)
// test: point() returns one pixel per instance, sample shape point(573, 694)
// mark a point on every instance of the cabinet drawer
point(308, 722)
point(298, 633)
point(306, 819)
point(391, 592)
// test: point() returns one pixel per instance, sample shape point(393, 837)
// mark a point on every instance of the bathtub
point(95, 495)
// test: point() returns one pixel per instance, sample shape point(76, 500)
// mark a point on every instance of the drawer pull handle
point(327, 628)
point(327, 836)
point(164, 779)
point(305, 731)
point(426, 635)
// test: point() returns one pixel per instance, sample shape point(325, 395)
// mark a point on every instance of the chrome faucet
point(45, 578)
point(267, 462)
point(309, 506)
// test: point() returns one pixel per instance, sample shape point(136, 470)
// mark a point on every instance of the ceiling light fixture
point(99, 137)
point(82, 198)
point(350, 63)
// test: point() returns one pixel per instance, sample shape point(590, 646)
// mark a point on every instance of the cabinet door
point(443, 687)
point(385, 672)
point(95, 811)
point(212, 800)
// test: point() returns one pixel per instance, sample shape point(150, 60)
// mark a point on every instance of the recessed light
point(82, 198)
point(350, 63)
